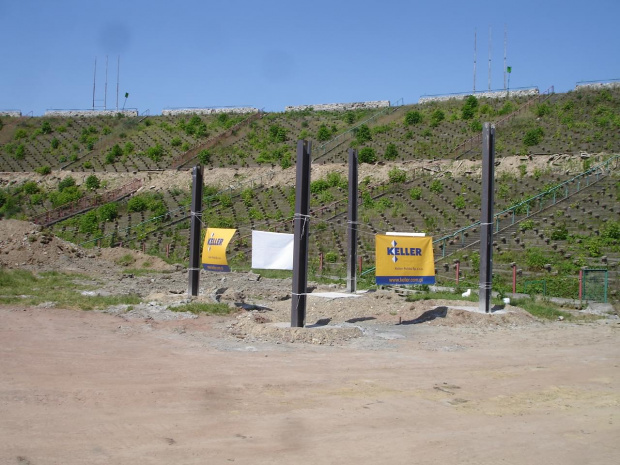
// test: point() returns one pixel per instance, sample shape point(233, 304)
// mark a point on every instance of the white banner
point(272, 251)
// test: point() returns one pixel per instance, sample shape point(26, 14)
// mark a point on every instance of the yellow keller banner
point(214, 249)
point(404, 260)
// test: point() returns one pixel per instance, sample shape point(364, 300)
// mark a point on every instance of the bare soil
point(372, 378)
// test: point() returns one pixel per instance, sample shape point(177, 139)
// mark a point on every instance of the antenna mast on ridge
point(475, 50)
point(490, 47)
point(505, 42)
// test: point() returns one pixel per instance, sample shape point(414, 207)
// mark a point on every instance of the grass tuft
point(206, 308)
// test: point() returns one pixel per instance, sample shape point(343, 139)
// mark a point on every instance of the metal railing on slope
point(475, 142)
point(332, 144)
point(85, 203)
point(527, 208)
point(184, 158)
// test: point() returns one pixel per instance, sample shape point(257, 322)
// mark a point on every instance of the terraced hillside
point(424, 178)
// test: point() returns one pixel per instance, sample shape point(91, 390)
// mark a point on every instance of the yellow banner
point(214, 249)
point(404, 260)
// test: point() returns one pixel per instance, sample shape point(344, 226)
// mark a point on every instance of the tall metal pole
point(105, 89)
point(486, 220)
point(475, 56)
point(352, 223)
point(505, 44)
point(194, 232)
point(94, 82)
point(490, 47)
point(118, 75)
point(302, 228)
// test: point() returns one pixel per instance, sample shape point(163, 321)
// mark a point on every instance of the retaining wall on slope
point(492, 94)
point(208, 111)
point(597, 85)
point(340, 106)
point(90, 113)
point(12, 113)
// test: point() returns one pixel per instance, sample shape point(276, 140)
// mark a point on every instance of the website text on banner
point(404, 260)
point(214, 249)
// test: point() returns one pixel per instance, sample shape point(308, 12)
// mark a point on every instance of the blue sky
point(273, 53)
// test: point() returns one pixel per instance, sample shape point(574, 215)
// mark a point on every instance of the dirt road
point(93, 388)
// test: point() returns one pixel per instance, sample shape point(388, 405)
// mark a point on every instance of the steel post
point(352, 223)
point(194, 232)
point(302, 227)
point(486, 219)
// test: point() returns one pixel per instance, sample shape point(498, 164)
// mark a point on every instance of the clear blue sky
point(273, 53)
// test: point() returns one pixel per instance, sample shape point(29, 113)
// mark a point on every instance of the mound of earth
point(27, 246)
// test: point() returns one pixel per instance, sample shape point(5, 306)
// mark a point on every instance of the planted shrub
point(323, 133)
point(55, 143)
point(89, 223)
point(43, 170)
point(204, 156)
point(396, 175)
point(108, 212)
point(66, 182)
point(436, 187)
point(137, 203)
point(92, 182)
point(468, 111)
point(362, 134)
point(46, 127)
point(175, 141)
point(68, 194)
point(415, 193)
point(277, 133)
point(30, 187)
point(155, 153)
point(20, 152)
point(391, 152)
point(413, 117)
point(367, 155)
point(437, 117)
point(533, 137)
point(459, 202)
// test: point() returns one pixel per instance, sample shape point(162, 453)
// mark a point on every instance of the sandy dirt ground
point(99, 388)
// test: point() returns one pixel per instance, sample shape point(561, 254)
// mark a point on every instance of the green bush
point(533, 137)
point(155, 153)
point(277, 133)
point(204, 156)
point(363, 134)
point(335, 179)
point(318, 186)
point(20, 134)
point(46, 127)
point(459, 202)
point(331, 257)
point(247, 195)
point(413, 117)
point(559, 233)
point(20, 152)
point(468, 111)
point(437, 117)
point(55, 143)
point(128, 148)
point(542, 110)
point(396, 175)
point(30, 187)
point(507, 108)
point(436, 187)
point(175, 141)
point(476, 125)
point(323, 133)
point(68, 194)
point(108, 212)
point(66, 182)
point(137, 203)
point(391, 152)
point(367, 155)
point(92, 182)
point(43, 170)
point(415, 193)
point(89, 223)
